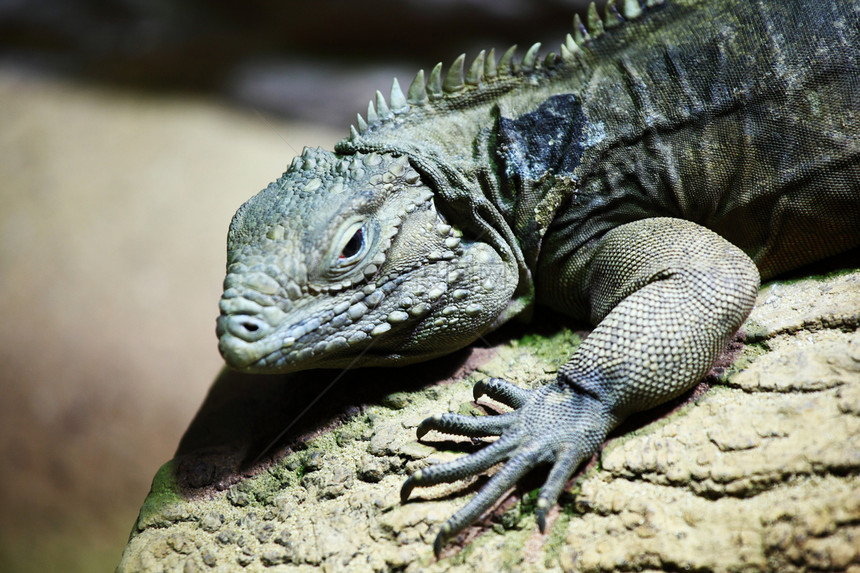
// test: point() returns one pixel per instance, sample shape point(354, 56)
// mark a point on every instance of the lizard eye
point(354, 246)
point(350, 248)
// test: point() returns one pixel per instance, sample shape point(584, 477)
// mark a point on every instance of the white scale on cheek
point(436, 292)
point(474, 309)
point(420, 309)
point(380, 328)
point(397, 317)
point(356, 311)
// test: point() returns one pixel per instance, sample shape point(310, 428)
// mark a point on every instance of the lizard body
point(643, 180)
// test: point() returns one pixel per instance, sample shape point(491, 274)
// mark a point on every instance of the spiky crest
point(485, 70)
point(476, 70)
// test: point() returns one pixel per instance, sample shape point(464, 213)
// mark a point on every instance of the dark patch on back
point(547, 139)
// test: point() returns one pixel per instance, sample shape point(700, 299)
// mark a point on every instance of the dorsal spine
point(484, 69)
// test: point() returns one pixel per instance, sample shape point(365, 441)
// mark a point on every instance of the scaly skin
point(642, 180)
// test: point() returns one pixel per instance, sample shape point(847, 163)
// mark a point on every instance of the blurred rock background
point(130, 131)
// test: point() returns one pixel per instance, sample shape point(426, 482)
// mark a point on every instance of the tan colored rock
point(761, 473)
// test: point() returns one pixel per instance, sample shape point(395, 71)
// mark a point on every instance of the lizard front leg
point(666, 295)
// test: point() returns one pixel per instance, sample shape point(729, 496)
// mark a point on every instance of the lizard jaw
point(264, 339)
point(396, 315)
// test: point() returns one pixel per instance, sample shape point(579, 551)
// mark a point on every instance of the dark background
point(309, 60)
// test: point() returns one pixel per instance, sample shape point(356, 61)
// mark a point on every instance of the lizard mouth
point(325, 333)
point(371, 325)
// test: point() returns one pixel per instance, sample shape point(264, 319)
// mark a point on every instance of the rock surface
point(761, 472)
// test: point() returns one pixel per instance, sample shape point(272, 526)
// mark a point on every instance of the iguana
point(642, 179)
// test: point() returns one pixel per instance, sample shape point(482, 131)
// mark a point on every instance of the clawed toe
point(460, 468)
point(501, 391)
point(471, 426)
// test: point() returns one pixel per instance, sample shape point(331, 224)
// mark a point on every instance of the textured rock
point(761, 473)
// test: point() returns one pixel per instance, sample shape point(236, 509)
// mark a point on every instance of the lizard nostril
point(243, 327)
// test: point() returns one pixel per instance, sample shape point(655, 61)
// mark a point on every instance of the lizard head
point(345, 260)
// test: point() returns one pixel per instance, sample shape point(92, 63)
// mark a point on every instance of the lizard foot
point(555, 424)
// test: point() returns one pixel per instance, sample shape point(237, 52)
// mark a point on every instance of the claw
point(460, 468)
point(428, 424)
point(471, 426)
point(543, 507)
point(441, 539)
point(408, 486)
point(501, 391)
